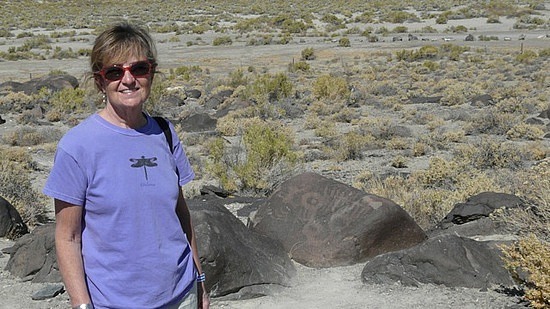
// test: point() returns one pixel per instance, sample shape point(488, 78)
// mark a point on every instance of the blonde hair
point(120, 42)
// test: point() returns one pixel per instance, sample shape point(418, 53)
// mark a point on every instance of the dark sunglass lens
point(114, 73)
point(140, 69)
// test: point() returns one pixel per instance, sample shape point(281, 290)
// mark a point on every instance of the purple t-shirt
point(135, 252)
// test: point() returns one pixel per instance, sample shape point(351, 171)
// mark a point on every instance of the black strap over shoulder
point(166, 130)
point(163, 124)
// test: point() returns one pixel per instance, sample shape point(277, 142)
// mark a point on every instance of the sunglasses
point(137, 69)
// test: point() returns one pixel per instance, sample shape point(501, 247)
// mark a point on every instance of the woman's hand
point(203, 297)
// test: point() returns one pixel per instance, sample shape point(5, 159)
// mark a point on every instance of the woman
point(124, 237)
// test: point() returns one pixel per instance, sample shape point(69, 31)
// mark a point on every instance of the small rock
point(50, 291)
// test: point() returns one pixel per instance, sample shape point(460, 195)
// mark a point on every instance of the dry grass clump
point(428, 195)
point(15, 184)
point(528, 260)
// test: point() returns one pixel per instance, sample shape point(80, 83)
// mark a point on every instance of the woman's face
point(130, 91)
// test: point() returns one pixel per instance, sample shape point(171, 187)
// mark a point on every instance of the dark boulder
point(236, 260)
point(447, 260)
point(217, 99)
point(53, 83)
point(324, 223)
point(482, 100)
point(33, 255)
point(233, 106)
point(421, 100)
point(11, 223)
point(480, 205)
point(534, 121)
point(2, 121)
point(198, 123)
point(193, 94)
point(545, 114)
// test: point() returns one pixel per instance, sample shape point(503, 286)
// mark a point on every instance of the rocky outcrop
point(51, 82)
point(235, 259)
point(449, 260)
point(325, 223)
point(33, 256)
point(11, 223)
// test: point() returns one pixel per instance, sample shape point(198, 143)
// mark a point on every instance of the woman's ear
point(98, 80)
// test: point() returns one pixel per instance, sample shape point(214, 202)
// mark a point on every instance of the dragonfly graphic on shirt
point(144, 162)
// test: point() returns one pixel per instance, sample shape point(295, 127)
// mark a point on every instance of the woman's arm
point(68, 232)
point(182, 210)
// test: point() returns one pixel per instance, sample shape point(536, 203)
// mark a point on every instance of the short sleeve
point(67, 181)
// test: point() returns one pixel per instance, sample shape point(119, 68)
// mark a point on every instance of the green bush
point(344, 42)
point(331, 87)
point(69, 100)
point(299, 66)
point(223, 40)
point(264, 157)
point(308, 54)
point(269, 87)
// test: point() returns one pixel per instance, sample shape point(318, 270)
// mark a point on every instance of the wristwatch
point(84, 306)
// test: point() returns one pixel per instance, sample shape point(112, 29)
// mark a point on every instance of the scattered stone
point(198, 123)
point(50, 291)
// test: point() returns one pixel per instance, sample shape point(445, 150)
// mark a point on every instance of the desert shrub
point(308, 54)
point(5, 33)
point(187, 72)
point(294, 26)
point(69, 100)
point(301, 66)
point(431, 65)
point(16, 187)
point(456, 94)
point(442, 173)
point(528, 260)
point(40, 41)
point(344, 42)
point(491, 121)
point(237, 78)
point(351, 146)
point(493, 20)
point(545, 53)
point(420, 148)
point(59, 53)
point(527, 56)
point(15, 102)
point(399, 161)
point(428, 195)
point(259, 162)
point(400, 29)
point(24, 136)
point(424, 52)
point(223, 40)
point(325, 128)
point(442, 19)
point(269, 88)
point(525, 131)
point(331, 87)
point(487, 154)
